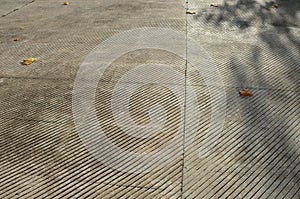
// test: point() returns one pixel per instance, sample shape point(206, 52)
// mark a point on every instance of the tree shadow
point(272, 114)
point(246, 13)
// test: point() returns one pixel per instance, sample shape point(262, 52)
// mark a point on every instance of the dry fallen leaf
point(245, 92)
point(190, 12)
point(214, 5)
point(66, 3)
point(29, 61)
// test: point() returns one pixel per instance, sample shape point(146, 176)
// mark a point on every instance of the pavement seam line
point(185, 103)
point(16, 9)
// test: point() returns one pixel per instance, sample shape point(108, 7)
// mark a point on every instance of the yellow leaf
point(29, 61)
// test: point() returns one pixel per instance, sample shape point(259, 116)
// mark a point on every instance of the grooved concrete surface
point(43, 148)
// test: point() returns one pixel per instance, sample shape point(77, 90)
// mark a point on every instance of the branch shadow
point(274, 107)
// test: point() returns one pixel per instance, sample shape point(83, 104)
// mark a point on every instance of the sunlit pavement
point(155, 110)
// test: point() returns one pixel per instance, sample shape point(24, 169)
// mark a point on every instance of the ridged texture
point(256, 155)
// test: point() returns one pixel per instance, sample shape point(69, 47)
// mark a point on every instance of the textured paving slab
point(54, 164)
point(51, 145)
point(8, 7)
point(62, 39)
point(257, 155)
point(37, 101)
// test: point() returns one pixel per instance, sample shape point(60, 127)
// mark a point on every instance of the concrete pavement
point(66, 131)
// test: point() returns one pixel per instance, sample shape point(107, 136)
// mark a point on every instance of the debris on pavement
point(16, 39)
point(66, 3)
point(29, 61)
point(245, 93)
point(214, 5)
point(190, 12)
point(273, 5)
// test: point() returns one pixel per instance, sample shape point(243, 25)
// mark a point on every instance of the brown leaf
point(190, 12)
point(245, 93)
point(214, 5)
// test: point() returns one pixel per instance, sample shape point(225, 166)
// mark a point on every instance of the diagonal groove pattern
point(42, 154)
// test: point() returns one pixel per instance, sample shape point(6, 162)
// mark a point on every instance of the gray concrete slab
point(256, 154)
point(66, 132)
point(8, 7)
